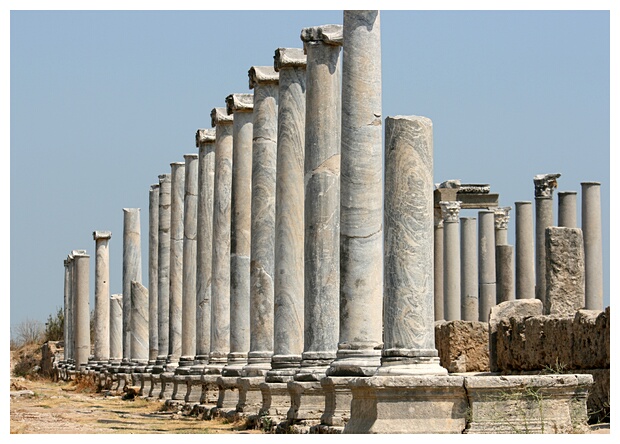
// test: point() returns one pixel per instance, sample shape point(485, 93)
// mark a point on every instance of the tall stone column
point(241, 107)
point(116, 329)
point(525, 277)
point(264, 81)
point(68, 330)
point(139, 324)
point(177, 192)
point(592, 243)
point(361, 198)
point(82, 309)
point(220, 303)
point(451, 260)
point(163, 272)
point(438, 266)
point(190, 226)
point(502, 216)
point(469, 269)
point(289, 229)
point(102, 296)
point(486, 263)
point(205, 142)
point(153, 269)
point(132, 270)
point(544, 184)
point(567, 209)
point(409, 332)
point(322, 200)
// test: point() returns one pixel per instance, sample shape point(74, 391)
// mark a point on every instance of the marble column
point(486, 263)
point(139, 324)
point(322, 200)
point(263, 80)
point(205, 142)
point(116, 329)
point(502, 216)
point(361, 198)
point(153, 269)
point(525, 276)
point(82, 309)
point(469, 269)
point(190, 225)
point(132, 270)
point(567, 209)
point(289, 229)
point(68, 330)
point(240, 106)
point(592, 243)
point(220, 302)
point(505, 273)
point(102, 296)
point(163, 272)
point(451, 260)
point(544, 184)
point(438, 265)
point(408, 319)
point(177, 192)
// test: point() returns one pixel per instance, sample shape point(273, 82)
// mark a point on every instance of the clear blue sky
point(101, 102)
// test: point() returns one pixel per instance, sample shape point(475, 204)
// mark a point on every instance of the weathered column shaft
point(153, 269)
point(220, 303)
point(264, 82)
point(66, 301)
point(190, 226)
point(205, 141)
point(289, 222)
point(175, 317)
point(408, 319)
point(139, 323)
point(116, 328)
point(486, 263)
point(70, 341)
point(132, 270)
point(525, 276)
point(451, 260)
point(240, 106)
point(505, 273)
point(438, 268)
point(469, 269)
point(564, 271)
point(102, 295)
point(361, 198)
point(322, 199)
point(82, 310)
point(163, 269)
point(592, 244)
point(567, 209)
point(544, 184)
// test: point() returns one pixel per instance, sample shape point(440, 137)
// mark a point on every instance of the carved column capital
point(502, 217)
point(220, 116)
point(259, 75)
point(239, 103)
point(289, 58)
point(450, 210)
point(205, 136)
point(102, 235)
point(544, 184)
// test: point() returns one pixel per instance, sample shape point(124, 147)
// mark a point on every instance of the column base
point(355, 363)
point(410, 366)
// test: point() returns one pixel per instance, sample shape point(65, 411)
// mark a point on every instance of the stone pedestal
point(451, 260)
point(469, 269)
point(592, 243)
point(228, 396)
point(132, 270)
point(486, 263)
point(166, 381)
point(250, 396)
point(81, 316)
point(139, 324)
point(276, 400)
point(544, 184)
point(565, 271)
point(153, 273)
point(102, 296)
point(307, 402)
point(209, 390)
point(337, 401)
point(163, 273)
point(525, 276)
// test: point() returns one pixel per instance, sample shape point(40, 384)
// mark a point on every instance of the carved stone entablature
point(289, 58)
point(450, 210)
point(471, 188)
point(502, 217)
point(205, 136)
point(261, 75)
point(220, 116)
point(328, 34)
point(544, 184)
point(102, 235)
point(239, 102)
point(453, 183)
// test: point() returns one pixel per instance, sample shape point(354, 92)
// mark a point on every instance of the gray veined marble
point(163, 270)
point(451, 260)
point(81, 319)
point(116, 328)
point(592, 244)
point(102, 296)
point(132, 270)
point(153, 273)
point(139, 323)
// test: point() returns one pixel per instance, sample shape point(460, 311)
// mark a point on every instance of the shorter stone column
point(502, 216)
point(116, 329)
point(102, 296)
point(438, 265)
point(593, 243)
point(469, 269)
point(486, 263)
point(67, 305)
point(525, 281)
point(82, 310)
point(544, 184)
point(139, 324)
point(505, 271)
point(564, 271)
point(567, 209)
point(163, 273)
point(451, 260)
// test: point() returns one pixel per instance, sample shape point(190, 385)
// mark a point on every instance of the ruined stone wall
point(463, 346)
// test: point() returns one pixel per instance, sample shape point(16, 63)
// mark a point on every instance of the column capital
point(590, 183)
point(154, 187)
point(239, 103)
point(190, 156)
point(77, 253)
point(544, 184)
point(102, 235)
point(205, 136)
point(220, 116)
point(289, 58)
point(164, 178)
point(131, 210)
point(328, 34)
point(501, 217)
point(450, 210)
point(260, 75)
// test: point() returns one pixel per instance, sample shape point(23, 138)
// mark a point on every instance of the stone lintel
point(328, 34)
point(258, 75)
point(289, 58)
point(544, 184)
point(102, 235)
point(205, 136)
point(450, 210)
point(220, 116)
point(502, 217)
point(474, 188)
point(239, 103)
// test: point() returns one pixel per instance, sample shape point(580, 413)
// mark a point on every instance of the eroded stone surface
point(463, 346)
